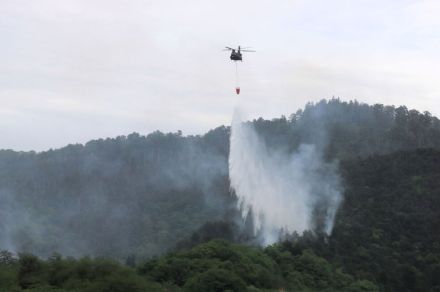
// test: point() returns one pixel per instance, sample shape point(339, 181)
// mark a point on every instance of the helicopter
point(237, 56)
point(236, 53)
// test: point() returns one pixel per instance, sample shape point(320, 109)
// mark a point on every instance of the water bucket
point(237, 90)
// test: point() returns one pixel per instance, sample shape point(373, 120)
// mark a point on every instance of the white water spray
point(284, 191)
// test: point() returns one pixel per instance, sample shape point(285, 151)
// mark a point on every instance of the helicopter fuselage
point(236, 56)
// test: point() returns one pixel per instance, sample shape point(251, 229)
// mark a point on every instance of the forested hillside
point(387, 229)
point(385, 239)
point(138, 195)
point(348, 130)
point(142, 195)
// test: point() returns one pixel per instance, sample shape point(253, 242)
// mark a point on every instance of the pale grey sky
point(71, 71)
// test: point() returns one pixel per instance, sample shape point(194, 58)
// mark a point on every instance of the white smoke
point(285, 191)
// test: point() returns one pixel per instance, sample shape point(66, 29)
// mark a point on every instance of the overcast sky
point(71, 71)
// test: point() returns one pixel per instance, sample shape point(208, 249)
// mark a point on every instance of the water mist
point(282, 191)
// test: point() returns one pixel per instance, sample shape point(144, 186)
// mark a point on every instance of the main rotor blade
point(229, 48)
point(248, 51)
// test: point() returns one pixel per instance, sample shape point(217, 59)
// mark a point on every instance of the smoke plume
point(282, 191)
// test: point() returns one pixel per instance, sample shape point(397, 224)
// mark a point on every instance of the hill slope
point(387, 229)
point(140, 195)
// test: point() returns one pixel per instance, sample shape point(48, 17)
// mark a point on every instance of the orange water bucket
point(237, 90)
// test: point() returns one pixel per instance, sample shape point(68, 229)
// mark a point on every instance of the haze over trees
point(133, 197)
